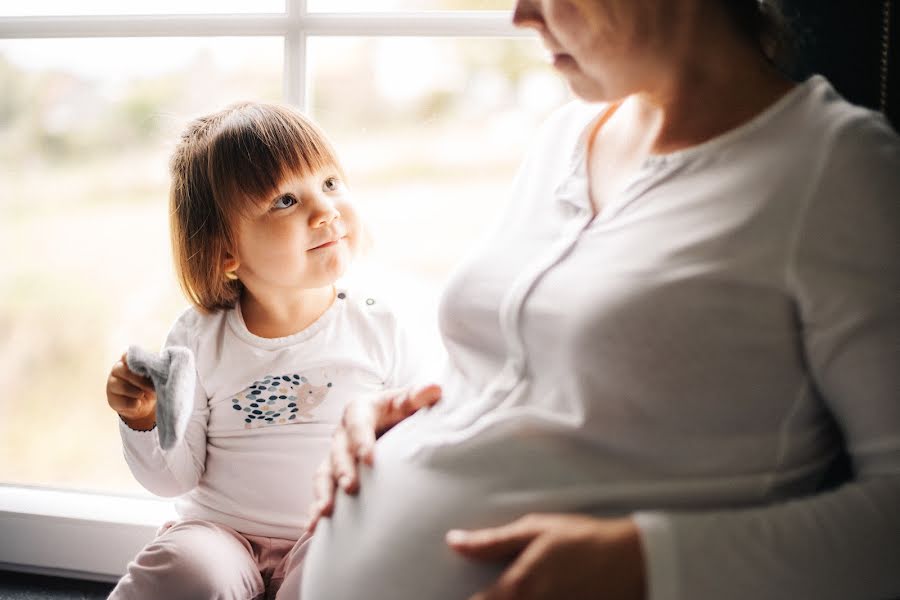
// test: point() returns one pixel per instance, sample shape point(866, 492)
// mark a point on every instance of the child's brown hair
point(225, 163)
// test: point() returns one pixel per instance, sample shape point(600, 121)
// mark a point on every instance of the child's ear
point(231, 262)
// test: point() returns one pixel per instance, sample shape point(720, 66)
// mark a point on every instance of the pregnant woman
point(688, 313)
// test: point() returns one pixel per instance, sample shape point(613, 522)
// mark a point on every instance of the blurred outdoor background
point(430, 131)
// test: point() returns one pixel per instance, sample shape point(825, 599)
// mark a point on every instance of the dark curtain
point(844, 40)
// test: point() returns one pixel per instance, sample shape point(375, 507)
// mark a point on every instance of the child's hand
point(132, 396)
point(354, 440)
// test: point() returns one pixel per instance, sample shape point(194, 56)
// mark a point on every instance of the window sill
point(75, 534)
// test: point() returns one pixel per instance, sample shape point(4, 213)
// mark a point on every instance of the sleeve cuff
point(137, 436)
point(658, 544)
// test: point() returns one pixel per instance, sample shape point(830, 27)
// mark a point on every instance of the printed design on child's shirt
point(279, 399)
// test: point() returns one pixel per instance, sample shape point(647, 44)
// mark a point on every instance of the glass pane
point(29, 8)
point(86, 128)
point(430, 135)
point(406, 5)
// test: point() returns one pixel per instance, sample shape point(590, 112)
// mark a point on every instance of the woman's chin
point(586, 88)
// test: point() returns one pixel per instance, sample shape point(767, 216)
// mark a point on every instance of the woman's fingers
point(360, 427)
point(523, 579)
point(559, 556)
point(401, 404)
point(354, 441)
point(343, 463)
point(496, 543)
point(324, 495)
point(410, 402)
point(365, 421)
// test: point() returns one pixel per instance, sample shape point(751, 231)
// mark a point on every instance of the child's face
point(303, 237)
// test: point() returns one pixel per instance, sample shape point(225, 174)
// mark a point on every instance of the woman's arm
point(843, 544)
point(844, 272)
point(845, 275)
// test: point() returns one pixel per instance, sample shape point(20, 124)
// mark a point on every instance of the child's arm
point(169, 472)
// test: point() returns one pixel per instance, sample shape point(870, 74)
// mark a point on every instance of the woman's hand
point(132, 396)
point(559, 556)
point(363, 422)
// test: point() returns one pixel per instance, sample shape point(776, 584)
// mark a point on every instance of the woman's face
point(604, 48)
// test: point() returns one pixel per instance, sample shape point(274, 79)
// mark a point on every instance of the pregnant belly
point(387, 543)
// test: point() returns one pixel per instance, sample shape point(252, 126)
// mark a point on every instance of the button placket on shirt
point(572, 195)
point(572, 191)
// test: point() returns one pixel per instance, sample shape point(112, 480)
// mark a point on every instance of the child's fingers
point(128, 406)
point(121, 403)
point(123, 389)
point(121, 370)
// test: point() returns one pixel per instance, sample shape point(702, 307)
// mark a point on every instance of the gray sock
point(173, 376)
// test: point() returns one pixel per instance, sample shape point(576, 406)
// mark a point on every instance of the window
point(86, 130)
point(430, 104)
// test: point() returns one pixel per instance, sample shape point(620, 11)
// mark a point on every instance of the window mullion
point(295, 68)
point(295, 56)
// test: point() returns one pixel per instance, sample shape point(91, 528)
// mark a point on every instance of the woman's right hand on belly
point(363, 422)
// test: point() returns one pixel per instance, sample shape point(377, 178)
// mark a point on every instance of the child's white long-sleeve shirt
point(264, 411)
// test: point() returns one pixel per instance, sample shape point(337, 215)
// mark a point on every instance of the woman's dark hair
point(763, 22)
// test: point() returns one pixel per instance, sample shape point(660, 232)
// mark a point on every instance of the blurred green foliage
point(56, 116)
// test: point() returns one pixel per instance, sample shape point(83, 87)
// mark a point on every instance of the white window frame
point(93, 536)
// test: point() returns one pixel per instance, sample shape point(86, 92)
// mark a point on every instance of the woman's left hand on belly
point(364, 420)
point(559, 556)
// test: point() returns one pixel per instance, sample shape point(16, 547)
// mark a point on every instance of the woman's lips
point(562, 61)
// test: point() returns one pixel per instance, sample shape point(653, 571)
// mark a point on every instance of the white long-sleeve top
point(265, 409)
point(697, 355)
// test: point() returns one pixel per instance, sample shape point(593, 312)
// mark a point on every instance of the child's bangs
point(258, 147)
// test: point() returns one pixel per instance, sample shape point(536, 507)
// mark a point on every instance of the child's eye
point(283, 202)
point(331, 184)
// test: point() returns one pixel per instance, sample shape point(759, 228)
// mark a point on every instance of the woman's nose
point(528, 14)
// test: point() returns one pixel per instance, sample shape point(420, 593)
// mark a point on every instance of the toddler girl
point(262, 226)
